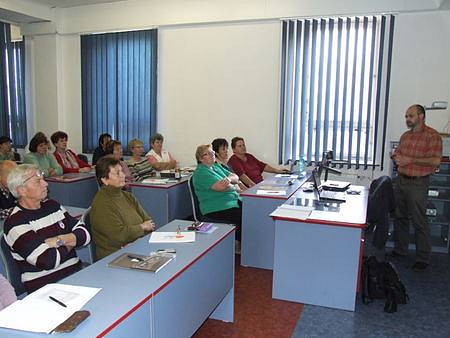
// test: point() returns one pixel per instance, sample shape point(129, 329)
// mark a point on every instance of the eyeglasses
point(209, 153)
point(39, 174)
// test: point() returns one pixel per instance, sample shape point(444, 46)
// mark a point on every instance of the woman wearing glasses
point(40, 157)
point(217, 189)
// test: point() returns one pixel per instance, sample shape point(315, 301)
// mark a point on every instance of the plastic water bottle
point(301, 167)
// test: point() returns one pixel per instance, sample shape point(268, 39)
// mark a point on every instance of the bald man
point(7, 200)
point(417, 156)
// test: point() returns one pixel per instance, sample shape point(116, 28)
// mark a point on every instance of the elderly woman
point(117, 217)
point(7, 200)
point(66, 158)
point(246, 166)
point(136, 147)
point(160, 159)
point(40, 157)
point(99, 152)
point(115, 148)
point(40, 233)
point(217, 189)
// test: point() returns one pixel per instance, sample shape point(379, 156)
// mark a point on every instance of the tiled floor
point(426, 315)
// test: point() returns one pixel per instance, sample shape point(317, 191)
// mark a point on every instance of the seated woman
point(116, 216)
point(217, 189)
point(220, 147)
point(158, 158)
point(246, 166)
point(66, 158)
point(40, 157)
point(115, 148)
point(136, 147)
point(99, 152)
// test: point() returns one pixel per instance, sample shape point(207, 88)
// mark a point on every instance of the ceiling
point(71, 3)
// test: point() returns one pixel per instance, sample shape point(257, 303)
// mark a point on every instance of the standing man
point(417, 157)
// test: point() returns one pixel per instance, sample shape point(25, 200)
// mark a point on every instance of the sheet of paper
point(172, 237)
point(271, 192)
point(287, 175)
point(38, 313)
point(156, 180)
point(291, 213)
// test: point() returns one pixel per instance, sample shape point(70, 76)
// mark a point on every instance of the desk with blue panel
point(164, 202)
point(77, 190)
point(197, 284)
point(317, 258)
point(257, 225)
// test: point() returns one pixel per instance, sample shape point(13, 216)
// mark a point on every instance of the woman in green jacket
point(41, 157)
point(116, 216)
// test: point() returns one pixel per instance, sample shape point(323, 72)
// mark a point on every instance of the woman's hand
point(148, 226)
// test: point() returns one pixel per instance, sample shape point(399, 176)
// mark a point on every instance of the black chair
point(12, 270)
point(83, 158)
point(198, 216)
point(17, 157)
point(91, 246)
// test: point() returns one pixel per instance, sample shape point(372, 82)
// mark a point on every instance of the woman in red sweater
point(66, 158)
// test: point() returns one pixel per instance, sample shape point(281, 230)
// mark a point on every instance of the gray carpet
point(426, 315)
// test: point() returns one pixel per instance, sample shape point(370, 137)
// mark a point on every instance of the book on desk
point(152, 263)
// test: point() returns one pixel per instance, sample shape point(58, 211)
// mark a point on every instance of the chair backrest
point(83, 158)
point(198, 216)
point(194, 200)
point(91, 246)
point(12, 270)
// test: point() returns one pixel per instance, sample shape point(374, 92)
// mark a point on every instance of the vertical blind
point(118, 72)
point(13, 121)
point(335, 75)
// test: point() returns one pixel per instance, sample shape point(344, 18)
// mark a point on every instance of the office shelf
point(438, 208)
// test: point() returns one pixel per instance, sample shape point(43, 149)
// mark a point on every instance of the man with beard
point(417, 157)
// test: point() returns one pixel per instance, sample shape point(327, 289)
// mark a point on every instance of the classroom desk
point(257, 225)
point(317, 260)
point(197, 284)
point(164, 202)
point(77, 190)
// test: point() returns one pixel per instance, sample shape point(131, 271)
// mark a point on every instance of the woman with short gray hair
point(160, 159)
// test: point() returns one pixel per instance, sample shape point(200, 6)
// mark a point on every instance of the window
point(118, 78)
point(334, 88)
point(12, 88)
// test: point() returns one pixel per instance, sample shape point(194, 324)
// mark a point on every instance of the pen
point(134, 257)
point(57, 301)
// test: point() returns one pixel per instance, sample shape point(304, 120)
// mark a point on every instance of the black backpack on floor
point(380, 280)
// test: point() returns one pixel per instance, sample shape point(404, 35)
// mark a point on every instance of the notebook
point(152, 263)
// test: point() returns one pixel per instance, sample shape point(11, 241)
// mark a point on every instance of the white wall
point(219, 80)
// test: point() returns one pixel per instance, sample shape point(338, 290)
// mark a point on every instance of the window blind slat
point(318, 106)
point(345, 87)
point(312, 97)
point(304, 91)
point(361, 91)
point(328, 81)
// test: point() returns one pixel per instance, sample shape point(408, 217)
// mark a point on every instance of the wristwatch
point(59, 242)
